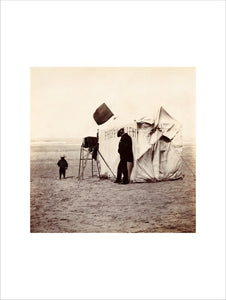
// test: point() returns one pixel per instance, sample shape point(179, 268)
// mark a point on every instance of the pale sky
point(63, 100)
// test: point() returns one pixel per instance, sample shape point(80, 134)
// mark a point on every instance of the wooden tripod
point(85, 155)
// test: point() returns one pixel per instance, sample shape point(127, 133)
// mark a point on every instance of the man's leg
point(63, 173)
point(60, 173)
point(125, 173)
point(119, 172)
point(129, 168)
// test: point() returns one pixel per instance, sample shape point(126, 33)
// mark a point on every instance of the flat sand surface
point(94, 205)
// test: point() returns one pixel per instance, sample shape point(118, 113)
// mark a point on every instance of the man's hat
point(120, 132)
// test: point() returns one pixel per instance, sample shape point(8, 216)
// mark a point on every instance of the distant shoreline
point(63, 141)
point(78, 141)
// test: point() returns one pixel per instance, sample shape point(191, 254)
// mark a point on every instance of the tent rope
point(106, 163)
point(185, 162)
point(188, 167)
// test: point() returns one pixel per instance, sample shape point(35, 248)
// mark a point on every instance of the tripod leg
point(98, 167)
point(79, 169)
point(84, 162)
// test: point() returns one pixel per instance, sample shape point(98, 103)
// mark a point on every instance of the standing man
point(63, 165)
point(126, 157)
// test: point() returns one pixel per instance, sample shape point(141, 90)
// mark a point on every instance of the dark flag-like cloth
point(102, 114)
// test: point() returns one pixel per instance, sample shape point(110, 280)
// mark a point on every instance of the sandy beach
point(93, 205)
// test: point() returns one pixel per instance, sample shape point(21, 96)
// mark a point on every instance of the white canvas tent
point(157, 148)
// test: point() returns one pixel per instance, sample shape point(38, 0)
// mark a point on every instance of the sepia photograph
point(113, 150)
